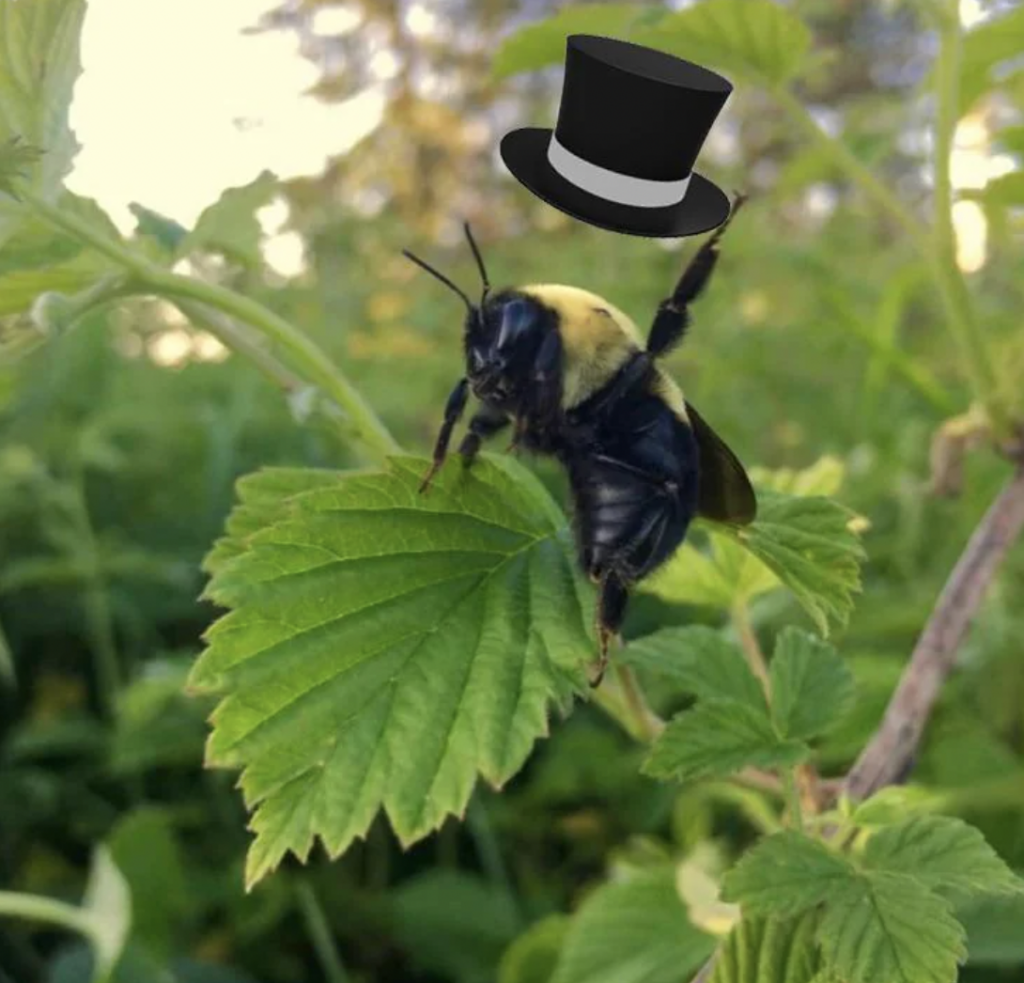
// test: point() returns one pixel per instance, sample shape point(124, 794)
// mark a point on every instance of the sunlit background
point(206, 102)
point(824, 351)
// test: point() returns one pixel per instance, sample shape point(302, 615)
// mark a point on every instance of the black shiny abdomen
point(633, 470)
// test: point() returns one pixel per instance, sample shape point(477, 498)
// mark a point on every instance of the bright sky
point(176, 104)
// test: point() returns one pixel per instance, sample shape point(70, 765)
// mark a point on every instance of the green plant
point(384, 649)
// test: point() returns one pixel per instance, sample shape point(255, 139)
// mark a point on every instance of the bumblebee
point(572, 375)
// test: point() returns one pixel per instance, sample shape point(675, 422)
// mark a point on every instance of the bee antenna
point(479, 262)
point(440, 276)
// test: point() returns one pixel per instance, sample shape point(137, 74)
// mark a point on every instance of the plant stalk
point(303, 353)
point(320, 934)
point(646, 722)
point(751, 646)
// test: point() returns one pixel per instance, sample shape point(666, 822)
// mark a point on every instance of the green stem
point(320, 934)
point(950, 286)
point(751, 646)
point(98, 615)
point(947, 96)
point(796, 812)
point(304, 354)
point(645, 721)
point(37, 908)
point(239, 339)
point(489, 852)
point(84, 232)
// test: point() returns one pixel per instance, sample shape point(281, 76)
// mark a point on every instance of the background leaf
point(636, 931)
point(532, 958)
point(984, 49)
point(543, 43)
point(108, 905)
point(993, 930)
point(385, 647)
point(230, 225)
point(756, 40)
point(144, 847)
point(454, 923)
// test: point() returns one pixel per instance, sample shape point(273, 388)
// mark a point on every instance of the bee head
point(501, 338)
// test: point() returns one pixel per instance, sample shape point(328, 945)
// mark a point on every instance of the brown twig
point(891, 750)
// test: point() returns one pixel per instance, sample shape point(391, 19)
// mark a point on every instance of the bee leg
point(486, 422)
point(611, 610)
point(452, 411)
point(673, 318)
point(517, 436)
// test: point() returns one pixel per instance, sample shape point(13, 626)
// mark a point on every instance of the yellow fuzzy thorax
point(597, 338)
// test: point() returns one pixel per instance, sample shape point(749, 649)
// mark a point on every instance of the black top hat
point(630, 126)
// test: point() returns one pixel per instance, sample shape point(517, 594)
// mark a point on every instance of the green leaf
point(635, 931)
point(812, 688)
point(769, 950)
point(719, 737)
point(758, 40)
point(108, 908)
point(165, 233)
point(895, 803)
point(801, 540)
point(943, 853)
point(144, 847)
point(785, 875)
point(158, 726)
point(701, 660)
point(263, 497)
point(38, 69)
point(1005, 191)
point(725, 575)
point(532, 958)
point(984, 52)
point(15, 160)
point(230, 226)
point(993, 925)
point(543, 43)
point(8, 673)
point(808, 544)
point(888, 928)
point(385, 647)
point(453, 923)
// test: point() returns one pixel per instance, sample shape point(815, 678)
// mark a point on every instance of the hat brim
point(525, 153)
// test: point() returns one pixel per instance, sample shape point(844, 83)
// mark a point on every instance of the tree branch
point(891, 750)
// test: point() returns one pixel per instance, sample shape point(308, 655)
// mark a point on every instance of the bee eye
point(516, 317)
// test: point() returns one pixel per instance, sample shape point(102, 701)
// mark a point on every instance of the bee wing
point(725, 493)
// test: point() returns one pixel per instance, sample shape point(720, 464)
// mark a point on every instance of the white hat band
point(611, 185)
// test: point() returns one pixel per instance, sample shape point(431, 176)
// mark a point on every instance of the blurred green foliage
point(821, 336)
